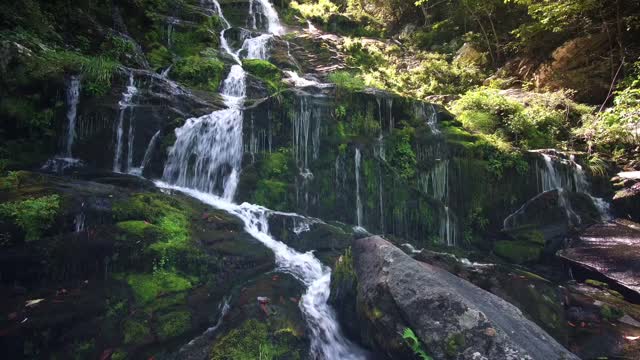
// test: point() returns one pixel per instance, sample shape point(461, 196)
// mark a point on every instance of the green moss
point(610, 313)
point(136, 228)
point(455, 343)
point(159, 56)
point(119, 355)
point(135, 332)
point(518, 251)
point(166, 302)
point(147, 287)
point(252, 340)
point(532, 236)
point(33, 216)
point(415, 344)
point(173, 324)
point(597, 284)
point(265, 71)
point(202, 72)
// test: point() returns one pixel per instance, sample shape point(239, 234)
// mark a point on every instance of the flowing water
point(358, 160)
point(125, 105)
point(73, 98)
point(205, 162)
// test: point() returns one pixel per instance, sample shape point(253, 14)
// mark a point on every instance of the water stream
point(125, 105)
point(73, 98)
point(205, 163)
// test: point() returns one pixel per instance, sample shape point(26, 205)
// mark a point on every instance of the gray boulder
point(451, 317)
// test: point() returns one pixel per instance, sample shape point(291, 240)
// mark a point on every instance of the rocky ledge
point(407, 308)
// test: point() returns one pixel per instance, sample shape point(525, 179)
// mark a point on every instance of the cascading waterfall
point(147, 155)
point(208, 150)
point(358, 159)
point(125, 105)
point(73, 98)
point(204, 163)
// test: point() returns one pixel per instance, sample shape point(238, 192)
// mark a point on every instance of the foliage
point(542, 123)
point(315, 10)
point(203, 72)
point(33, 216)
point(617, 127)
point(135, 332)
point(415, 344)
point(347, 81)
point(344, 268)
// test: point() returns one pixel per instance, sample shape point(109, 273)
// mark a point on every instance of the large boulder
point(450, 317)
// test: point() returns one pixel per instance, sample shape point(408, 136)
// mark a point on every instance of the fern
point(414, 343)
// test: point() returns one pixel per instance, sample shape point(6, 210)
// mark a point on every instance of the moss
point(265, 71)
point(454, 343)
point(147, 287)
point(159, 56)
point(119, 355)
point(135, 332)
point(610, 313)
point(136, 228)
point(532, 236)
point(173, 324)
point(166, 302)
point(33, 216)
point(253, 340)
point(597, 284)
point(518, 251)
point(202, 72)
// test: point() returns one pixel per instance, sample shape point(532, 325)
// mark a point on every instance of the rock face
point(451, 317)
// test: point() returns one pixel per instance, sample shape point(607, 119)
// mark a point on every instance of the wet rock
point(449, 315)
point(612, 252)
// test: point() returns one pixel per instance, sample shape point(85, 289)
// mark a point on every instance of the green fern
point(414, 343)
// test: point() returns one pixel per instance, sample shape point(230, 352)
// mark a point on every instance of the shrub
point(347, 81)
point(33, 216)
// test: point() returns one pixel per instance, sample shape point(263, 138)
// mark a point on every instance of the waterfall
point(124, 105)
point(205, 163)
point(73, 98)
point(266, 9)
point(256, 47)
point(300, 128)
point(430, 115)
point(448, 227)
point(358, 159)
point(207, 154)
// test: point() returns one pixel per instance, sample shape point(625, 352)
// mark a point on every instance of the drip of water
point(252, 15)
point(165, 72)
point(327, 340)
point(79, 220)
point(435, 182)
point(147, 155)
point(73, 98)
point(125, 105)
point(448, 227)
point(358, 159)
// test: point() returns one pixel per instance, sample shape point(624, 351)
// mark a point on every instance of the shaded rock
point(611, 251)
point(449, 315)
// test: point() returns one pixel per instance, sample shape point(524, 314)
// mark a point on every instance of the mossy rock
point(147, 287)
point(136, 228)
point(254, 340)
point(518, 252)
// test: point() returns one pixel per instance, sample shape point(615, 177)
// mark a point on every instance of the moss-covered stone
point(200, 71)
point(136, 228)
point(253, 340)
point(518, 252)
point(265, 71)
point(147, 287)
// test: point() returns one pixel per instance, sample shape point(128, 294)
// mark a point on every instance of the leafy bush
point(33, 216)
point(542, 123)
point(415, 344)
point(321, 9)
